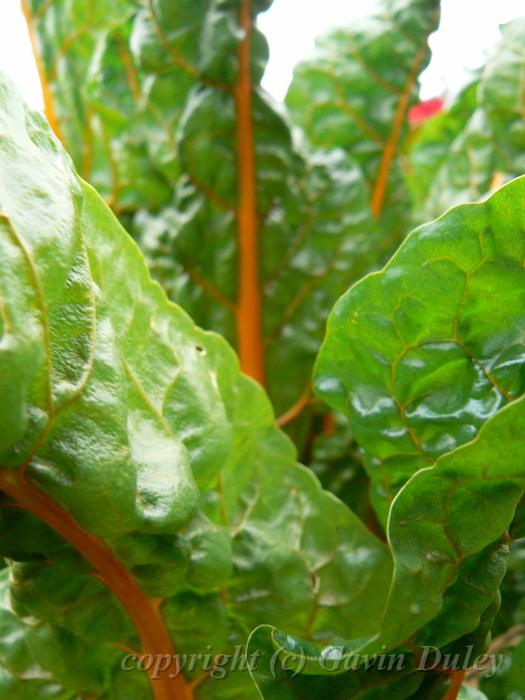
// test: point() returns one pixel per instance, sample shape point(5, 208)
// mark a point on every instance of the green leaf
point(313, 230)
point(281, 660)
point(337, 463)
point(512, 612)
point(153, 121)
point(356, 91)
point(501, 97)
point(446, 521)
point(133, 435)
point(421, 354)
point(440, 521)
point(471, 603)
point(467, 173)
point(63, 658)
point(501, 678)
point(114, 123)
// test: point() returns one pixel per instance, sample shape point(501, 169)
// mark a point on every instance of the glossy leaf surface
point(154, 467)
point(421, 354)
point(166, 151)
point(134, 435)
point(445, 524)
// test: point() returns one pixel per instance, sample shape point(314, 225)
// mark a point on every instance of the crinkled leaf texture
point(438, 333)
point(423, 353)
point(145, 97)
point(133, 434)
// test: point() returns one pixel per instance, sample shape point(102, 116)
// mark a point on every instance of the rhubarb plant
point(159, 537)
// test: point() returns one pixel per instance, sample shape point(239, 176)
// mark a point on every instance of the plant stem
point(249, 333)
point(380, 186)
point(144, 613)
point(457, 681)
point(49, 107)
point(294, 411)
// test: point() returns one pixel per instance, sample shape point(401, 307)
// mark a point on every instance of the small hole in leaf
point(200, 349)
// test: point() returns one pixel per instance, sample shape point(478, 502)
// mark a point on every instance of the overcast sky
point(469, 28)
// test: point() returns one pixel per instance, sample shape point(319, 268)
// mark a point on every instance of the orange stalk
point(49, 107)
point(329, 425)
point(294, 411)
point(457, 681)
point(389, 152)
point(248, 316)
point(144, 613)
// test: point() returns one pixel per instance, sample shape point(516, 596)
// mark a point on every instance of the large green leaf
point(356, 91)
point(446, 315)
point(166, 149)
point(443, 530)
point(421, 354)
point(133, 435)
point(467, 173)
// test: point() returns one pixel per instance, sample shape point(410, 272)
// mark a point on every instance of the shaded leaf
point(443, 517)
point(356, 92)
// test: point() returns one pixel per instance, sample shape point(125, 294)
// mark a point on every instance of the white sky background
point(469, 28)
